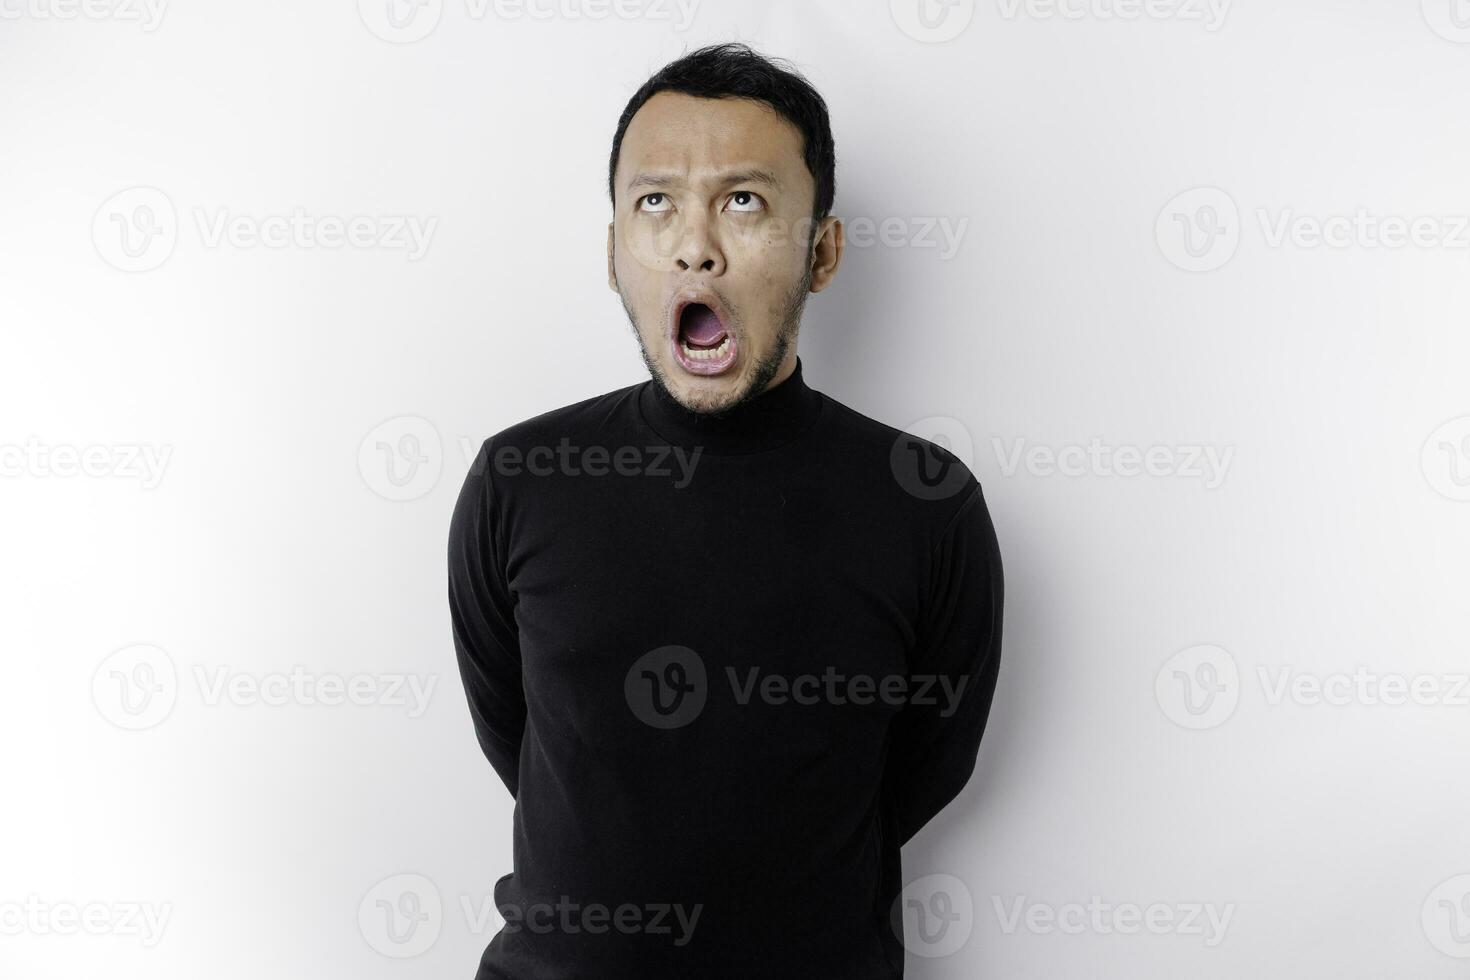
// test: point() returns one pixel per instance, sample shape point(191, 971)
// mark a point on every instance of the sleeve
point(935, 740)
point(482, 611)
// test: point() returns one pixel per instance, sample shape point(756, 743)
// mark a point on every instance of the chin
point(704, 394)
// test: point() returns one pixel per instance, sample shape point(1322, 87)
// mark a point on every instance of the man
point(728, 643)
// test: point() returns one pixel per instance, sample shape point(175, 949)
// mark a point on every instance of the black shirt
point(726, 666)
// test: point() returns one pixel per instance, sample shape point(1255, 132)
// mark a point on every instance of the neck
point(777, 415)
point(786, 370)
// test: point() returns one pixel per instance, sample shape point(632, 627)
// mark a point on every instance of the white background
point(1058, 140)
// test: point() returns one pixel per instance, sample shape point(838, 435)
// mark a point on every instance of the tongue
point(701, 326)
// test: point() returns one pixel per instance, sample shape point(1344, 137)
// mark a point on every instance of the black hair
point(734, 71)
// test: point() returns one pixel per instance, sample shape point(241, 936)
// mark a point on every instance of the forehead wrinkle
point(722, 178)
point(677, 140)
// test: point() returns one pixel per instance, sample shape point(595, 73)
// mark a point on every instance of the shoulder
point(588, 420)
point(922, 461)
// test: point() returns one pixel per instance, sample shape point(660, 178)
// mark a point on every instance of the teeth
point(710, 354)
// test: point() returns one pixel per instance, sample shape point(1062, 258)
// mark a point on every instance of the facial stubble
point(764, 371)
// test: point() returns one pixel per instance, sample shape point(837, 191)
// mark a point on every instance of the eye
point(655, 203)
point(746, 201)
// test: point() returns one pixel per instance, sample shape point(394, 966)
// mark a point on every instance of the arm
point(933, 746)
point(482, 611)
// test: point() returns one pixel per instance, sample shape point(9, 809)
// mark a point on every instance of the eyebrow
point(750, 176)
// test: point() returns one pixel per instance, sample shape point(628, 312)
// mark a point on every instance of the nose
point(698, 248)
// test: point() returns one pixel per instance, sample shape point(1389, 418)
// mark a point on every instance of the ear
point(826, 252)
point(612, 275)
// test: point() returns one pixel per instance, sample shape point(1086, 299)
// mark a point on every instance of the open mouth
point(703, 343)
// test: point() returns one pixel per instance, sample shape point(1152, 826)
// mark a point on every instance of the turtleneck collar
point(773, 418)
